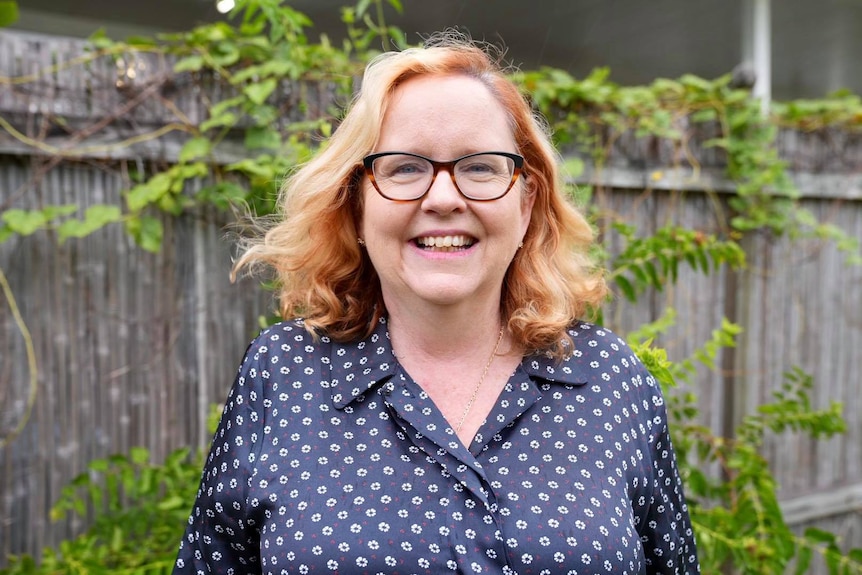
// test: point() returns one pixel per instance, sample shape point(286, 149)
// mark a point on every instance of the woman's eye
point(407, 169)
point(479, 168)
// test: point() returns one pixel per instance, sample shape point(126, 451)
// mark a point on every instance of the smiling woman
point(446, 116)
point(433, 401)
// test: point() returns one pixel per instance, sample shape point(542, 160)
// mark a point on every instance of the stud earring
point(360, 241)
point(520, 245)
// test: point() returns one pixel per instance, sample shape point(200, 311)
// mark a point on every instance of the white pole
point(761, 56)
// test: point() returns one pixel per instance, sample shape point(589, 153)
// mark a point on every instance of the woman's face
point(443, 118)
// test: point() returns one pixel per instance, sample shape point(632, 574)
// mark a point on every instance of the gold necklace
point(481, 381)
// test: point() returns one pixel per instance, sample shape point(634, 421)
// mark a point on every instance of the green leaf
point(705, 115)
point(195, 148)
point(24, 222)
point(262, 138)
point(52, 212)
point(259, 92)
point(639, 273)
point(228, 119)
point(223, 106)
point(362, 7)
point(573, 167)
point(222, 195)
point(226, 54)
point(186, 172)
point(819, 536)
point(189, 64)
point(652, 273)
point(98, 465)
point(264, 115)
point(171, 204)
point(141, 41)
point(256, 167)
point(139, 455)
point(398, 37)
point(148, 192)
point(146, 231)
point(99, 39)
point(177, 457)
point(691, 81)
point(626, 288)
point(96, 217)
point(8, 13)
point(117, 538)
point(174, 502)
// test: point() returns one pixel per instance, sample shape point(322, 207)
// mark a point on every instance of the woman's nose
point(443, 196)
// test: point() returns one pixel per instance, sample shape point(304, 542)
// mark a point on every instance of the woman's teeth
point(444, 243)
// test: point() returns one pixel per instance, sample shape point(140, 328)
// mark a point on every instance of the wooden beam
point(814, 506)
point(810, 185)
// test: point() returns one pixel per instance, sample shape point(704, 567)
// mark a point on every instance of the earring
point(520, 245)
point(360, 241)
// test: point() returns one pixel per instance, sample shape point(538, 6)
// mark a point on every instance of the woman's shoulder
point(290, 330)
point(589, 335)
point(283, 352)
point(287, 337)
point(602, 349)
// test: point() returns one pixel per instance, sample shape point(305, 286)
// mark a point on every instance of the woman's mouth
point(444, 243)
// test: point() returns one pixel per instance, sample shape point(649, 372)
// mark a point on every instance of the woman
point(438, 408)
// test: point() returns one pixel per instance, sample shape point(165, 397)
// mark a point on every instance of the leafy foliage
point(137, 511)
point(735, 512)
point(653, 261)
point(589, 116)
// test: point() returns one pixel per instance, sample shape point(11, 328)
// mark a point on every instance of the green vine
point(32, 365)
point(589, 116)
point(736, 513)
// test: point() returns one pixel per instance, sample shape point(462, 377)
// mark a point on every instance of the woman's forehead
point(432, 112)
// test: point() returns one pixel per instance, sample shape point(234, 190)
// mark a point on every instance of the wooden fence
point(133, 347)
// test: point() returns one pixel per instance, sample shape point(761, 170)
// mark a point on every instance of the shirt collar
point(359, 367)
point(356, 367)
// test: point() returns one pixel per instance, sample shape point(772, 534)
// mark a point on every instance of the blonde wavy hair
point(324, 277)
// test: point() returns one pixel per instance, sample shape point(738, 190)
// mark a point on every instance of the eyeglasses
point(483, 177)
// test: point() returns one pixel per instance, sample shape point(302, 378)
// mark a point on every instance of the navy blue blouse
point(329, 458)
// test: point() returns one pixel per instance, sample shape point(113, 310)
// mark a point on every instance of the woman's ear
point(528, 200)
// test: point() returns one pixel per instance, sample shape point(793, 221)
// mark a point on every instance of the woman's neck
point(442, 334)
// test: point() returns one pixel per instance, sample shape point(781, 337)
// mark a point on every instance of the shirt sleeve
point(666, 531)
point(222, 534)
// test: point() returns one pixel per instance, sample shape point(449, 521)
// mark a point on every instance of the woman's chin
point(449, 291)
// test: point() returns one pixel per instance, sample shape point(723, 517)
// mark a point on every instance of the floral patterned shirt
point(329, 458)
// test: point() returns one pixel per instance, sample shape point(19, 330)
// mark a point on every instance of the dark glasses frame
point(518, 161)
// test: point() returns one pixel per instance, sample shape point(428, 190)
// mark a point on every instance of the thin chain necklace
point(479, 385)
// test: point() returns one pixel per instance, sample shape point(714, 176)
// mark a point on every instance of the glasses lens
point(484, 176)
point(401, 176)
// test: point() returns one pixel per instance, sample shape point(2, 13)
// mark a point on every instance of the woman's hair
point(324, 277)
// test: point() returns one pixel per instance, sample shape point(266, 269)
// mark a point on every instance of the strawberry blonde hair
point(324, 277)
